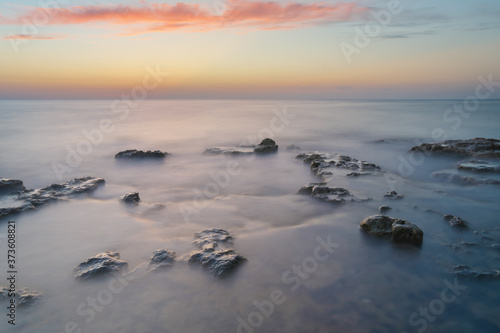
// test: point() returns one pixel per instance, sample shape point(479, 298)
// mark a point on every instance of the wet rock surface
point(326, 193)
point(219, 262)
point(400, 231)
point(456, 221)
point(31, 199)
point(466, 272)
point(139, 154)
point(384, 209)
point(266, 146)
point(479, 166)
point(393, 195)
point(24, 296)
point(162, 258)
point(474, 147)
point(131, 198)
point(101, 264)
point(11, 185)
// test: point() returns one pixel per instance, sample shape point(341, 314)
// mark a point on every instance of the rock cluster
point(398, 230)
point(478, 147)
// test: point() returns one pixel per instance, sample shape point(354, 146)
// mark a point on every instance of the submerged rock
point(479, 166)
point(23, 297)
point(131, 198)
point(393, 195)
point(465, 271)
point(473, 147)
point(219, 262)
point(292, 147)
point(399, 230)
point(31, 199)
point(162, 258)
point(329, 194)
point(101, 264)
point(455, 178)
point(266, 146)
point(139, 154)
point(11, 185)
point(322, 163)
point(384, 208)
point(456, 221)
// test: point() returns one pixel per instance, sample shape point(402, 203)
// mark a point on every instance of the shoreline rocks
point(131, 198)
point(11, 185)
point(393, 195)
point(399, 230)
point(473, 147)
point(161, 259)
point(101, 264)
point(139, 154)
point(329, 194)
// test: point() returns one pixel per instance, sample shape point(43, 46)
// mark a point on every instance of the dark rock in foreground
point(11, 185)
point(31, 199)
point(473, 147)
point(266, 146)
point(24, 297)
point(393, 195)
point(101, 264)
point(162, 258)
point(131, 198)
point(456, 221)
point(399, 230)
point(479, 166)
point(219, 262)
point(329, 194)
point(139, 154)
point(454, 178)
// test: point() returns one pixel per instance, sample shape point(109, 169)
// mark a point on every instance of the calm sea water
point(364, 285)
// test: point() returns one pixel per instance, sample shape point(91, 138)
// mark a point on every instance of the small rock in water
point(456, 221)
point(24, 297)
point(384, 208)
point(139, 154)
point(465, 271)
point(399, 230)
point(11, 185)
point(393, 195)
point(131, 198)
point(211, 237)
point(266, 146)
point(330, 194)
point(162, 258)
point(292, 147)
point(103, 263)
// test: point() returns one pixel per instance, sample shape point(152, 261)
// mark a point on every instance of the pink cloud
point(154, 17)
point(26, 36)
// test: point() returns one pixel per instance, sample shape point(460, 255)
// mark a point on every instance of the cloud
point(159, 17)
point(26, 36)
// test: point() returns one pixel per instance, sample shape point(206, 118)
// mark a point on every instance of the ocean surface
point(361, 284)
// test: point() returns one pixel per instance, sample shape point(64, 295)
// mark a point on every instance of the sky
point(298, 49)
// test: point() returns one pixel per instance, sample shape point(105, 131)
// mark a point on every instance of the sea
point(309, 267)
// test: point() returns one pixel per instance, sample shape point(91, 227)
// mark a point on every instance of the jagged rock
point(139, 154)
point(24, 297)
point(103, 263)
point(292, 147)
point(330, 194)
point(455, 178)
point(162, 258)
point(30, 199)
point(399, 230)
point(393, 195)
point(131, 198)
point(479, 166)
point(384, 208)
point(357, 174)
point(11, 185)
point(218, 262)
point(322, 163)
point(456, 221)
point(465, 271)
point(473, 147)
point(266, 146)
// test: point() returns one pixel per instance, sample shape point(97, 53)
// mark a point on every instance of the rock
point(101, 264)
point(384, 208)
point(465, 271)
point(292, 147)
point(219, 262)
point(329, 194)
point(455, 221)
point(454, 178)
point(131, 198)
point(139, 154)
point(479, 166)
point(11, 185)
point(357, 174)
point(266, 146)
point(23, 297)
point(473, 147)
point(162, 258)
point(393, 195)
point(31, 199)
point(322, 163)
point(399, 230)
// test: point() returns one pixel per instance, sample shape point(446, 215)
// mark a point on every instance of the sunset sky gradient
point(61, 49)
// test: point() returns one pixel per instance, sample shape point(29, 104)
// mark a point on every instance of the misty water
point(364, 284)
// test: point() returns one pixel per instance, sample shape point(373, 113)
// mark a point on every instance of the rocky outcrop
point(399, 230)
point(162, 258)
point(139, 154)
point(219, 262)
point(131, 198)
point(393, 195)
point(266, 146)
point(456, 221)
point(322, 163)
point(31, 199)
point(455, 178)
point(478, 147)
point(326, 193)
point(479, 166)
point(23, 297)
point(11, 185)
point(101, 264)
